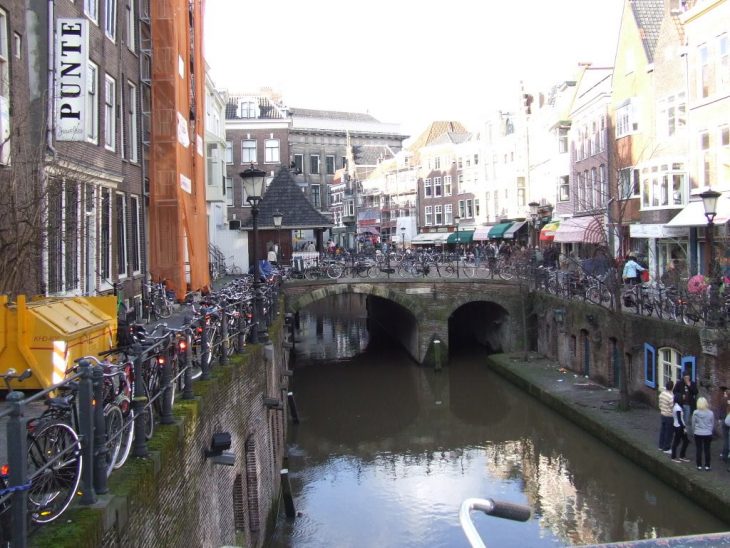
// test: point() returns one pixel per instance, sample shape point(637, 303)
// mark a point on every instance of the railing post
point(18, 462)
point(241, 323)
point(223, 351)
point(100, 448)
point(186, 363)
point(205, 351)
point(86, 431)
point(138, 404)
point(166, 380)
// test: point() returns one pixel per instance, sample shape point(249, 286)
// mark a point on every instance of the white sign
point(4, 131)
point(657, 231)
point(199, 142)
point(182, 131)
point(186, 184)
point(72, 56)
point(418, 290)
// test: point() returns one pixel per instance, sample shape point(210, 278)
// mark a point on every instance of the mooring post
point(293, 408)
point(437, 354)
point(286, 493)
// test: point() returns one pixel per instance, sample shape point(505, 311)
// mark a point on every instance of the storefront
point(664, 244)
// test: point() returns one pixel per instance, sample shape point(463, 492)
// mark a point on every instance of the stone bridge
point(417, 313)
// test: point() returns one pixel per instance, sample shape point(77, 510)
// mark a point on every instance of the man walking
point(686, 389)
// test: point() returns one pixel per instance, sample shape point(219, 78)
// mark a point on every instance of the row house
point(218, 192)
point(73, 139)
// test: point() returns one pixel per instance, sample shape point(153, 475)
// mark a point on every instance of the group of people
point(682, 408)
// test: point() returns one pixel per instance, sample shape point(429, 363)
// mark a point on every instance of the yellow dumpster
point(47, 335)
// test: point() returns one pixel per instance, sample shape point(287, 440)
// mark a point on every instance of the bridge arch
point(481, 321)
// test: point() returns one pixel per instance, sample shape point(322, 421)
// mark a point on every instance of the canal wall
point(633, 433)
point(177, 497)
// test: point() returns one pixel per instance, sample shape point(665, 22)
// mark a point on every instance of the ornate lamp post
point(533, 217)
point(457, 220)
point(709, 201)
point(278, 218)
point(253, 184)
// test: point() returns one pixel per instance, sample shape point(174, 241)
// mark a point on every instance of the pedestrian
point(721, 402)
point(680, 432)
point(703, 423)
point(666, 401)
point(631, 271)
point(687, 390)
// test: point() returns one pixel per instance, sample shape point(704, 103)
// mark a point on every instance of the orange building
point(178, 234)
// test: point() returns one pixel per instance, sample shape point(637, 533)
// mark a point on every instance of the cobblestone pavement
point(634, 433)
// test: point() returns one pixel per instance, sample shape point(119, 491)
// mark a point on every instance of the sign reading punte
point(72, 57)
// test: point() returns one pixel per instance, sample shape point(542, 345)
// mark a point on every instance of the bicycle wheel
point(165, 307)
point(148, 417)
point(448, 270)
point(310, 274)
point(506, 273)
point(114, 422)
point(52, 489)
point(334, 271)
point(236, 271)
point(127, 437)
point(469, 269)
point(373, 271)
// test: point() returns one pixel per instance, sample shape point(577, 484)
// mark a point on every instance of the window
point(663, 185)
point(628, 182)
point(723, 62)
point(314, 164)
point(563, 188)
point(18, 45)
point(437, 162)
point(228, 191)
point(105, 239)
point(299, 163)
point(91, 9)
point(110, 18)
point(130, 25)
point(132, 124)
point(477, 210)
point(271, 151)
point(447, 185)
point(627, 119)
point(669, 367)
point(438, 218)
point(110, 108)
point(92, 103)
point(602, 134)
point(460, 163)
point(521, 197)
point(428, 214)
point(437, 190)
point(427, 190)
point(63, 217)
point(602, 190)
point(469, 209)
point(448, 214)
point(562, 140)
point(476, 159)
point(707, 163)
point(247, 109)
point(135, 252)
point(462, 209)
point(330, 165)
point(121, 207)
point(316, 195)
point(350, 208)
point(724, 175)
point(248, 151)
point(229, 152)
point(672, 115)
point(706, 76)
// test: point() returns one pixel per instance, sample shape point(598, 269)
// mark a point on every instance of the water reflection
point(386, 451)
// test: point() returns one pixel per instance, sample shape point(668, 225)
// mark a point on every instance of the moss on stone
point(79, 527)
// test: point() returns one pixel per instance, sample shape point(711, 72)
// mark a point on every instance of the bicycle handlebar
point(506, 510)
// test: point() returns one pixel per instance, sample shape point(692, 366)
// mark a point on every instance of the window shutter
point(689, 363)
point(649, 365)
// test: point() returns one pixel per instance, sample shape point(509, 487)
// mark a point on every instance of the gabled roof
point(648, 15)
point(434, 131)
point(284, 196)
point(450, 138)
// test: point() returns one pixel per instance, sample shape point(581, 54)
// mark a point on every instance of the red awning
point(587, 230)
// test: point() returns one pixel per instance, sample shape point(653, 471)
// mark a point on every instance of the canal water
point(386, 451)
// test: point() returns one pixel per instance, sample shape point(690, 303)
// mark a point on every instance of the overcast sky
point(407, 62)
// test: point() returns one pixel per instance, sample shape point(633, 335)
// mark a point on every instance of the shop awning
point(587, 230)
point(481, 233)
point(693, 213)
point(511, 232)
point(465, 237)
point(547, 234)
point(497, 231)
point(430, 238)
point(440, 238)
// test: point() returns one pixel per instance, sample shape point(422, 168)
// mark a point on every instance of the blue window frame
point(689, 363)
point(649, 365)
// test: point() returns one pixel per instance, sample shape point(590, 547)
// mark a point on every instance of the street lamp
point(709, 201)
point(534, 215)
point(457, 220)
point(403, 238)
point(278, 217)
point(253, 184)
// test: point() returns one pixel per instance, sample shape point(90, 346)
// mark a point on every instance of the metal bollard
point(205, 353)
point(437, 354)
point(166, 381)
point(100, 449)
point(86, 431)
point(138, 403)
point(187, 363)
point(18, 462)
point(223, 351)
point(286, 493)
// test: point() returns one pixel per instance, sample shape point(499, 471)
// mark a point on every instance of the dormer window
point(248, 109)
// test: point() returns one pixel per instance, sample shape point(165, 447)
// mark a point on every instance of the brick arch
point(296, 303)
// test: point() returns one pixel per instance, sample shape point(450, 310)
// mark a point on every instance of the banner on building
point(186, 184)
point(4, 131)
point(183, 137)
point(72, 60)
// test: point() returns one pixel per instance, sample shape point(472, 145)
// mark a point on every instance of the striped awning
point(587, 230)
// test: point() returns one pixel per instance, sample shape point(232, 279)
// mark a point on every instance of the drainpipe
point(51, 69)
